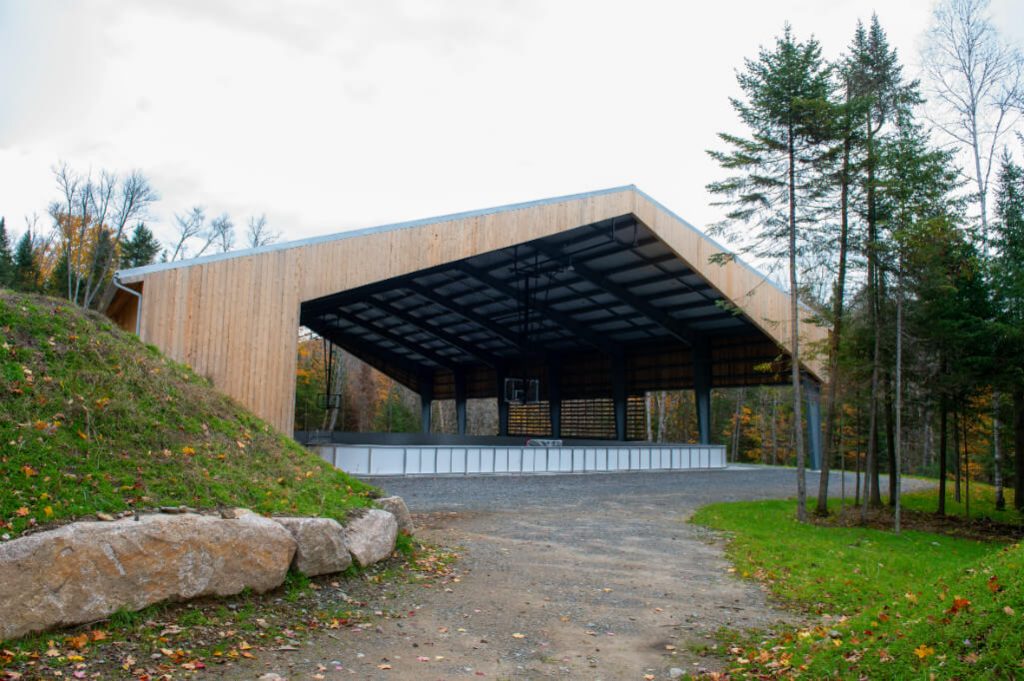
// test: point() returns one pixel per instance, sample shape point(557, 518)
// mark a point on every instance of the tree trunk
point(794, 339)
point(775, 427)
point(890, 436)
point(837, 325)
point(943, 444)
point(1018, 446)
point(662, 401)
point(737, 428)
point(997, 455)
point(956, 450)
point(967, 472)
point(894, 481)
point(650, 408)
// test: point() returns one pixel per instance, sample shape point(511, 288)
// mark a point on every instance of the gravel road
point(594, 576)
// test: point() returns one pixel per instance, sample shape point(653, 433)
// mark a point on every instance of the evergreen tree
point(876, 78)
point(26, 268)
point(916, 184)
point(141, 249)
point(777, 172)
point(1008, 285)
point(57, 282)
point(6, 257)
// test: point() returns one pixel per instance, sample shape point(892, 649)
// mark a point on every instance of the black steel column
point(460, 401)
point(702, 388)
point(502, 374)
point(813, 395)
point(619, 394)
point(555, 394)
point(426, 400)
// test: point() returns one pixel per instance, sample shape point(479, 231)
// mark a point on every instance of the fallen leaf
point(923, 651)
point(518, 635)
point(385, 667)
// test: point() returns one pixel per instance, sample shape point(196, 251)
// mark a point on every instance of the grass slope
point(908, 606)
point(92, 420)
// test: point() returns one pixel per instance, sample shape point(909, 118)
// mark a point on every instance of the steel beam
point(702, 389)
point(389, 335)
point(670, 324)
point(579, 330)
point(442, 335)
point(619, 394)
point(460, 401)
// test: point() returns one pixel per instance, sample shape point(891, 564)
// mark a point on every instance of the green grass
point(884, 605)
point(92, 420)
point(983, 503)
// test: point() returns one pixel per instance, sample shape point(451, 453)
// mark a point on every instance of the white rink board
point(483, 460)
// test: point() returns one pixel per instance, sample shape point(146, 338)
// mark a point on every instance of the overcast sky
point(330, 115)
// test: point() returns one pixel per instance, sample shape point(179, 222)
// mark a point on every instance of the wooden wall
point(235, 319)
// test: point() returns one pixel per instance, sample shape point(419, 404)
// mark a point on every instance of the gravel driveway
point(594, 576)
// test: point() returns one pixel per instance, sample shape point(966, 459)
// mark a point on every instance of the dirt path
point(572, 578)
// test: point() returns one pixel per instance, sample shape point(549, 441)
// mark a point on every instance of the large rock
point(86, 571)
point(396, 507)
point(371, 537)
point(320, 543)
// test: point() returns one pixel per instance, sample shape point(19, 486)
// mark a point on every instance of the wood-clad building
point(599, 297)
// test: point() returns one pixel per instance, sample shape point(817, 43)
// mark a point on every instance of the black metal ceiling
point(609, 285)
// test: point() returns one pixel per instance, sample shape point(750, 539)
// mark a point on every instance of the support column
point(619, 394)
point(813, 395)
point(702, 388)
point(555, 395)
point(460, 401)
point(502, 374)
point(426, 400)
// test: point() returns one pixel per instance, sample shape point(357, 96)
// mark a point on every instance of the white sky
point(331, 115)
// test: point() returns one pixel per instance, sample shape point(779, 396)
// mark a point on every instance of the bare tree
point(189, 226)
point(978, 80)
point(121, 202)
point(90, 220)
point(258, 233)
point(222, 233)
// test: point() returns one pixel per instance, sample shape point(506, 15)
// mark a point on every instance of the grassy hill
point(92, 420)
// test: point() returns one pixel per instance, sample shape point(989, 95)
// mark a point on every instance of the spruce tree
point(776, 173)
point(876, 78)
point(141, 249)
point(6, 257)
point(1008, 285)
point(26, 269)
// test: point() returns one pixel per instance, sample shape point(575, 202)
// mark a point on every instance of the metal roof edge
point(133, 274)
point(736, 258)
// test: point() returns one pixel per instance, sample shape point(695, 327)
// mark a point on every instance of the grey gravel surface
point(688, 489)
point(592, 576)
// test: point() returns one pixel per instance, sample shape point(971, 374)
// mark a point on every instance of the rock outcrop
point(88, 570)
point(321, 548)
point(396, 507)
point(371, 537)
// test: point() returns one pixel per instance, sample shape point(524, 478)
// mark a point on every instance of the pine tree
point(916, 186)
point(6, 257)
point(777, 173)
point(26, 268)
point(1008, 285)
point(876, 77)
point(141, 249)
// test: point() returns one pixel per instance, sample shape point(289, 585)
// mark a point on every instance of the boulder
point(371, 537)
point(86, 571)
point(320, 545)
point(396, 507)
